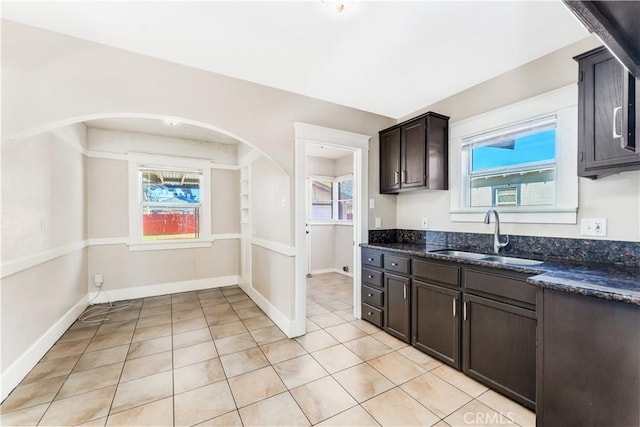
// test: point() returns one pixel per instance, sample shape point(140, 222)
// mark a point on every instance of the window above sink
point(520, 158)
point(513, 166)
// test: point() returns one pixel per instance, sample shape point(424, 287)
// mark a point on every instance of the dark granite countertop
point(615, 283)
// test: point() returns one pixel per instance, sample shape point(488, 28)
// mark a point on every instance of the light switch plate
point(378, 222)
point(425, 223)
point(372, 203)
point(593, 227)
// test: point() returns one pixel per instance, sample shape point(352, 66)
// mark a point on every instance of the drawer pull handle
point(370, 259)
point(393, 264)
point(615, 134)
point(464, 311)
point(396, 177)
point(370, 313)
point(369, 295)
point(405, 292)
point(454, 306)
point(370, 276)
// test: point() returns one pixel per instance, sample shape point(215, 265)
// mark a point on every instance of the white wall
point(343, 165)
point(41, 68)
point(616, 197)
point(320, 166)
point(42, 177)
point(272, 252)
point(108, 208)
point(44, 231)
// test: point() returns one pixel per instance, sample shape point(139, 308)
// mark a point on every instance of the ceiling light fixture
point(339, 7)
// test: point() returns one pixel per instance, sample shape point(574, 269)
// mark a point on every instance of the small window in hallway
point(345, 199)
point(321, 199)
point(331, 198)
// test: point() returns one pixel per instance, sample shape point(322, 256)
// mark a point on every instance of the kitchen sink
point(460, 254)
point(511, 261)
point(490, 258)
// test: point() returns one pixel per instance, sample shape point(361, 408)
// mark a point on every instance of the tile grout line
point(70, 372)
point(123, 365)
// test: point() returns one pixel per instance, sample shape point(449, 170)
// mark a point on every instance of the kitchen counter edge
point(614, 283)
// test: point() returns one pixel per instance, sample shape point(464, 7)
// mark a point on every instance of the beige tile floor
point(212, 358)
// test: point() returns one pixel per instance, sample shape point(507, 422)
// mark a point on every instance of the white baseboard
point(21, 367)
point(286, 325)
point(161, 289)
point(331, 270)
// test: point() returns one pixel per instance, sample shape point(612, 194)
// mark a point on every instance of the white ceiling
point(391, 58)
point(159, 127)
point(314, 150)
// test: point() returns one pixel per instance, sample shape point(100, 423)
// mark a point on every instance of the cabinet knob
point(393, 264)
point(369, 259)
point(370, 313)
point(369, 295)
point(370, 276)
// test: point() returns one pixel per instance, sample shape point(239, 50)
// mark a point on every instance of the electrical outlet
point(593, 227)
point(425, 222)
point(372, 203)
point(98, 280)
point(378, 222)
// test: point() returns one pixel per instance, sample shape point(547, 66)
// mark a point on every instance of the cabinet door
point(390, 161)
point(499, 347)
point(436, 321)
point(589, 355)
point(437, 142)
point(606, 131)
point(396, 298)
point(413, 155)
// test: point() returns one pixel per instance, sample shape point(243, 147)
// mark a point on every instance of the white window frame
point(334, 199)
point(138, 161)
point(561, 103)
point(488, 139)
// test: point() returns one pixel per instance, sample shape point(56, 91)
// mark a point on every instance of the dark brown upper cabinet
point(607, 116)
point(414, 154)
point(616, 23)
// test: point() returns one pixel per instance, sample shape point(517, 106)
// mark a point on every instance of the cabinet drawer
point(372, 277)
point(372, 296)
point(502, 286)
point(372, 314)
point(397, 264)
point(436, 272)
point(374, 259)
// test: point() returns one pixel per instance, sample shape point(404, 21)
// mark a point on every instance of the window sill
point(168, 245)
point(527, 215)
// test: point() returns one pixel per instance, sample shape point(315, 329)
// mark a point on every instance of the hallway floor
point(212, 358)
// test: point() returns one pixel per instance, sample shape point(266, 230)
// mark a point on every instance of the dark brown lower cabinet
point(436, 321)
point(589, 361)
point(499, 347)
point(397, 308)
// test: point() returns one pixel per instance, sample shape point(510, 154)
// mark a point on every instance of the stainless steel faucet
point(497, 244)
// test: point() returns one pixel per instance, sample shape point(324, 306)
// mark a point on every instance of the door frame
point(358, 144)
